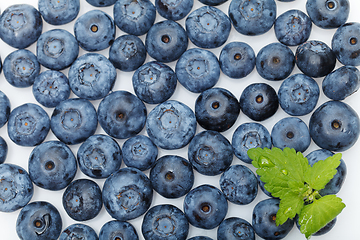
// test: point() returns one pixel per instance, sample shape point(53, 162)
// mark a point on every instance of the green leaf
point(290, 205)
point(322, 172)
point(316, 215)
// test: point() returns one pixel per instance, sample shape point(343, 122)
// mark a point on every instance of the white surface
point(348, 221)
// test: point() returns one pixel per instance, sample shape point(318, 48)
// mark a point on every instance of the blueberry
point(172, 176)
point(264, 217)
point(3, 150)
point(208, 27)
point(95, 30)
point(262, 187)
point(59, 12)
point(212, 2)
point(50, 88)
point(335, 184)
point(20, 25)
point(259, 101)
point(216, 109)
point(315, 58)
point(247, 136)
point(4, 109)
point(345, 44)
point(154, 82)
point(127, 194)
point(39, 221)
point(101, 3)
point(298, 94)
point(198, 70)
point(127, 53)
point(173, 10)
point(205, 206)
point(165, 222)
point(200, 238)
point(235, 228)
point(21, 68)
point(16, 188)
point(237, 59)
point(52, 165)
point(57, 49)
point(252, 17)
point(92, 76)
point(28, 125)
point(293, 27)
point(334, 126)
point(134, 17)
point(99, 156)
point(115, 229)
point(121, 114)
point(171, 125)
point(328, 14)
point(275, 61)
point(291, 132)
point(210, 153)
point(82, 200)
point(78, 231)
point(74, 120)
point(139, 152)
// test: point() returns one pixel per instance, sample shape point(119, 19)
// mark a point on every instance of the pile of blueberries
point(128, 192)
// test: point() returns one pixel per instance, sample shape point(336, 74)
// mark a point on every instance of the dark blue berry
point(235, 228)
point(173, 10)
point(101, 3)
point(118, 230)
point(3, 150)
point(59, 12)
point(4, 109)
point(78, 231)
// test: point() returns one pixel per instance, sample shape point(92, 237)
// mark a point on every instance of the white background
point(348, 221)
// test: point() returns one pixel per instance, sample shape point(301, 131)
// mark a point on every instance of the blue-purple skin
point(291, 132)
point(118, 229)
point(200, 238)
point(298, 94)
point(208, 27)
point(213, 2)
point(20, 25)
point(334, 126)
point(171, 125)
point(172, 176)
point(21, 67)
point(101, 3)
point(3, 150)
point(252, 17)
point(210, 153)
point(127, 53)
point(264, 217)
point(82, 200)
point(237, 59)
point(346, 44)
point(78, 231)
point(39, 221)
point(165, 221)
point(52, 165)
point(275, 62)
point(5, 109)
point(173, 10)
point(216, 109)
point(50, 88)
point(28, 125)
point(329, 14)
point(121, 114)
point(335, 184)
point(74, 120)
point(249, 135)
point(324, 58)
point(139, 152)
point(127, 194)
point(235, 228)
point(99, 156)
point(16, 188)
point(205, 207)
point(59, 12)
point(154, 82)
point(95, 30)
point(323, 230)
point(166, 41)
point(292, 27)
point(198, 70)
point(134, 17)
point(341, 83)
point(57, 49)
point(92, 76)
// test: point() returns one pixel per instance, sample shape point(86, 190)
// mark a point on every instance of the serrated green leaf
point(322, 172)
point(316, 215)
point(290, 205)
